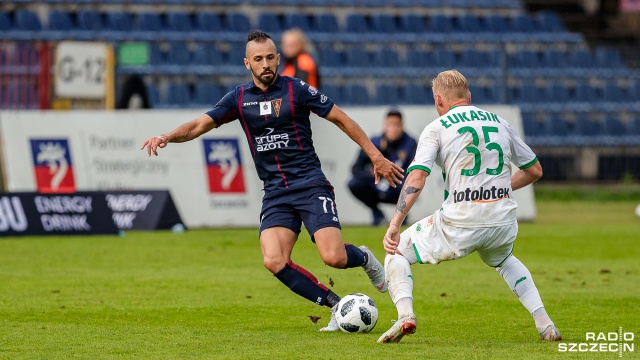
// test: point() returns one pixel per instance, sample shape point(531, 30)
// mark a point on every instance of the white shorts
point(430, 241)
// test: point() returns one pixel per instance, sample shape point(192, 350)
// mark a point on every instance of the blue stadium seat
point(534, 125)
point(468, 23)
point(358, 57)
point(357, 94)
point(386, 57)
point(148, 22)
point(525, 93)
point(334, 92)
point(484, 94)
point(585, 92)
point(179, 21)
point(5, 21)
point(585, 125)
point(27, 20)
point(207, 93)
point(523, 23)
point(237, 22)
point(154, 95)
point(358, 23)
point(207, 54)
point(558, 126)
point(496, 23)
point(60, 20)
point(475, 58)
point(155, 55)
point(418, 93)
point(326, 23)
point(387, 94)
point(582, 58)
point(385, 23)
point(417, 58)
point(550, 21)
point(236, 54)
point(525, 59)
point(556, 92)
point(613, 126)
point(633, 126)
point(330, 57)
point(119, 21)
point(612, 92)
point(441, 57)
point(179, 54)
point(608, 57)
point(554, 58)
point(90, 20)
point(178, 94)
point(440, 23)
point(209, 22)
point(270, 22)
point(413, 23)
point(297, 20)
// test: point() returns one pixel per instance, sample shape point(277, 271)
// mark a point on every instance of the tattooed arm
point(410, 192)
point(185, 132)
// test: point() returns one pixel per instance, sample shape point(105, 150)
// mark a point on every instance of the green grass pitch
point(206, 295)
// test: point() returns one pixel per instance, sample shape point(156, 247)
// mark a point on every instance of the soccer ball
point(357, 313)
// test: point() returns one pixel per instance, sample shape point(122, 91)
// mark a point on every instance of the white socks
point(400, 280)
point(521, 284)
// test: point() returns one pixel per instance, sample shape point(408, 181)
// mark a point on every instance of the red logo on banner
point(224, 166)
point(52, 165)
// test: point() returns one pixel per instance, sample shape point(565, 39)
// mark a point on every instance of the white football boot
point(374, 270)
point(404, 326)
point(333, 323)
point(551, 333)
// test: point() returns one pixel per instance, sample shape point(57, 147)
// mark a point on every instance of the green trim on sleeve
point(420, 167)
point(415, 249)
point(529, 164)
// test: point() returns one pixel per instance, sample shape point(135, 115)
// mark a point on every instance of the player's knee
point(335, 259)
point(274, 264)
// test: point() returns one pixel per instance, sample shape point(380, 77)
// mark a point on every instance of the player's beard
point(266, 81)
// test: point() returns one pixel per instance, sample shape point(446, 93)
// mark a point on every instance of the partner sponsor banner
point(80, 213)
point(215, 187)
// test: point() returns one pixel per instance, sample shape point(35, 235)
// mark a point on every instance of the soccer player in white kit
point(474, 148)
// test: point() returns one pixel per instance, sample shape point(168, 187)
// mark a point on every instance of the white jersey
point(475, 149)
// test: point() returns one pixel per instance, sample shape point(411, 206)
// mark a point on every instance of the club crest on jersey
point(224, 165)
point(313, 90)
point(276, 103)
point(52, 165)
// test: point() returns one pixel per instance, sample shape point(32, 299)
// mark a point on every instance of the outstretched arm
point(185, 132)
point(526, 176)
point(381, 166)
point(410, 192)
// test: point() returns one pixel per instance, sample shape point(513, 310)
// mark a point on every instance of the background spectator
point(298, 61)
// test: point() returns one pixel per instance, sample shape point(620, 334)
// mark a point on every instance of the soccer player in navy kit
point(274, 113)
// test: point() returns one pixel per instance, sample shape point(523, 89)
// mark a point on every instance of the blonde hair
point(302, 38)
point(451, 85)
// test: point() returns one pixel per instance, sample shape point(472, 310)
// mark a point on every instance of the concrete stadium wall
point(104, 154)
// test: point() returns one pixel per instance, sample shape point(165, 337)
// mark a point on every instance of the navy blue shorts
point(314, 206)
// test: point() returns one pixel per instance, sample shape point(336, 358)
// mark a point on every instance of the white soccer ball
point(357, 313)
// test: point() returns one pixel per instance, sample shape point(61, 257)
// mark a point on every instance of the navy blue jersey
point(277, 126)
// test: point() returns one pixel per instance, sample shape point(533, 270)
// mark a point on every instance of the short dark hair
point(258, 36)
point(394, 112)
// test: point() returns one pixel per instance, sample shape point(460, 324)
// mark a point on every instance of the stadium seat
point(60, 20)
point(613, 126)
point(5, 21)
point(585, 125)
point(483, 94)
point(334, 92)
point(633, 126)
point(496, 23)
point(582, 58)
point(236, 54)
point(417, 93)
point(524, 59)
point(550, 21)
point(90, 20)
point(270, 22)
point(154, 95)
point(585, 93)
point(385, 23)
point(612, 92)
point(358, 57)
point(440, 23)
point(148, 22)
point(441, 57)
point(558, 126)
point(27, 20)
point(119, 21)
point(357, 94)
point(179, 21)
point(526, 93)
point(413, 23)
point(358, 23)
point(207, 93)
point(209, 22)
point(297, 20)
point(556, 92)
point(178, 94)
point(387, 94)
point(178, 54)
point(236, 22)
point(386, 57)
point(417, 58)
point(475, 58)
point(329, 57)
point(554, 58)
point(207, 54)
point(468, 23)
point(534, 125)
point(607, 57)
point(523, 23)
point(326, 23)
